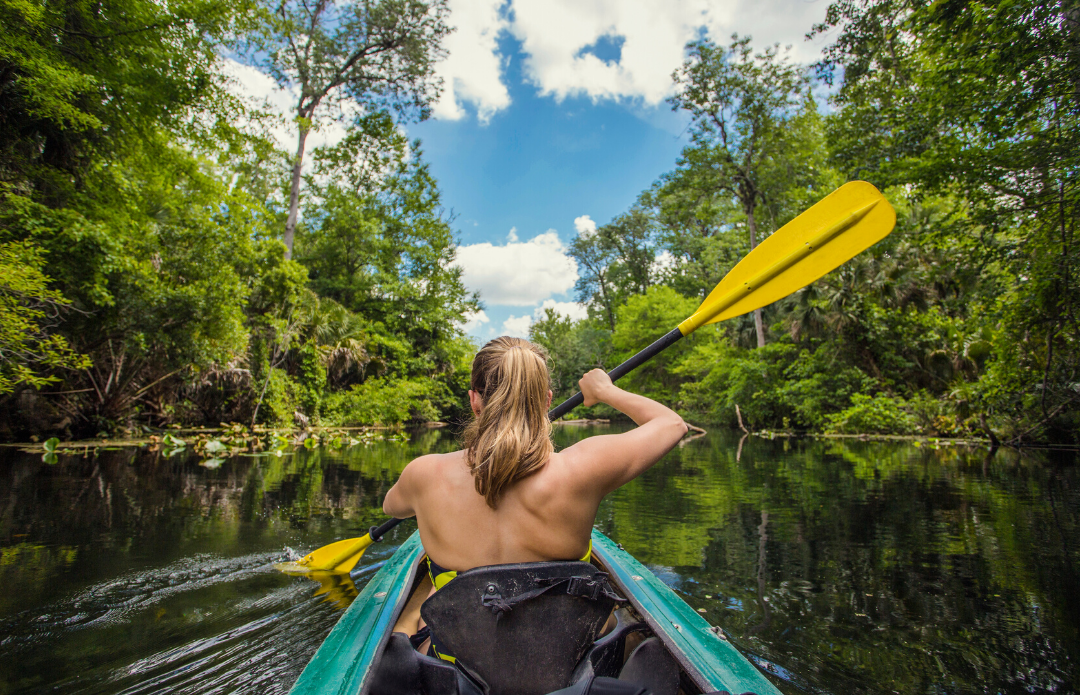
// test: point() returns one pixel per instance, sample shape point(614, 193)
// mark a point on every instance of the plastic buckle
point(584, 587)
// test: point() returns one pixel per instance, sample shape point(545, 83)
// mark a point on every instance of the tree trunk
point(763, 600)
point(1071, 18)
point(758, 327)
point(294, 192)
point(607, 302)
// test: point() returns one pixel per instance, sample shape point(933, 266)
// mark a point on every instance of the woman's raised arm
point(398, 502)
point(610, 461)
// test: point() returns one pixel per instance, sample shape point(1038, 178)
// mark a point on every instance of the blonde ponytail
point(511, 438)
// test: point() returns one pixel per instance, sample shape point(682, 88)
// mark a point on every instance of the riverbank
point(237, 440)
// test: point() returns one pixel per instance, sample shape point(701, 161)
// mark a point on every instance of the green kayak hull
point(342, 665)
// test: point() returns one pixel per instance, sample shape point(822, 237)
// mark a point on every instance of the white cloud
point(472, 72)
point(663, 262)
point(573, 310)
point(558, 38)
point(474, 320)
point(554, 34)
point(517, 326)
point(518, 273)
point(259, 91)
point(585, 226)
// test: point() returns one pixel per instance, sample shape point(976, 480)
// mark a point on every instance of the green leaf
point(173, 442)
point(50, 444)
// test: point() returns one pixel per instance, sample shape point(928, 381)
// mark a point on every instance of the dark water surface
point(838, 567)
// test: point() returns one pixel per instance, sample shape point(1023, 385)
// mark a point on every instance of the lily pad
point(173, 442)
point(212, 463)
point(214, 447)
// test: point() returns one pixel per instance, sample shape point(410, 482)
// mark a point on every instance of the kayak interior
point(633, 634)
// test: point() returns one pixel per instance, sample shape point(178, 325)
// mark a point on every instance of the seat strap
point(591, 588)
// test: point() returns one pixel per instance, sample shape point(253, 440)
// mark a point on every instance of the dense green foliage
point(963, 321)
point(144, 277)
point(375, 54)
point(25, 303)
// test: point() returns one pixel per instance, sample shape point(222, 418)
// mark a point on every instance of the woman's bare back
point(547, 515)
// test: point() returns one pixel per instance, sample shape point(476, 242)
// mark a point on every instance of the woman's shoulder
point(429, 464)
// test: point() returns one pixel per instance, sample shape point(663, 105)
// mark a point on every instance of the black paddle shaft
point(377, 532)
point(622, 370)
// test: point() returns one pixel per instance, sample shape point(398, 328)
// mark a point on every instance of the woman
point(508, 496)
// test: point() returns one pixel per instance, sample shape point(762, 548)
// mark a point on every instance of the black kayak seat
point(521, 629)
point(511, 621)
point(401, 670)
point(651, 666)
point(649, 670)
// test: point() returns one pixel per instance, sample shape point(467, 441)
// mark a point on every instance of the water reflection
point(870, 567)
point(839, 567)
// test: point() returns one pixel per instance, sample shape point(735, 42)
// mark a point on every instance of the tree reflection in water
point(839, 566)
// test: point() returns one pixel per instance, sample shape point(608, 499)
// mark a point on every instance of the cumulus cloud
point(603, 49)
point(258, 90)
point(557, 36)
point(474, 320)
point(585, 226)
point(517, 326)
point(573, 310)
point(521, 273)
point(472, 72)
point(663, 262)
point(562, 39)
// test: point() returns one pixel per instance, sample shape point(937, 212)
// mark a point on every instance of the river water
point(836, 566)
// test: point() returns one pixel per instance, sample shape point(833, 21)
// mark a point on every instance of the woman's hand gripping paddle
point(845, 223)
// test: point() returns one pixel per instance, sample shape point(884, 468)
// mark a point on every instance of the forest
point(162, 261)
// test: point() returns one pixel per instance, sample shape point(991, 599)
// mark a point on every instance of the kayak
point(657, 633)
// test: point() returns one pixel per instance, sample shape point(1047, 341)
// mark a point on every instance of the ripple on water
point(112, 602)
point(204, 624)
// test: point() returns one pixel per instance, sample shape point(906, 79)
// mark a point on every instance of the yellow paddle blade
point(841, 225)
point(337, 587)
point(341, 556)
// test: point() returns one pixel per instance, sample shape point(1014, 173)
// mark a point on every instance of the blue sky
point(534, 168)
point(552, 121)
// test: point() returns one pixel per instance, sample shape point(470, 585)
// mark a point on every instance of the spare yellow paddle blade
point(341, 556)
point(846, 222)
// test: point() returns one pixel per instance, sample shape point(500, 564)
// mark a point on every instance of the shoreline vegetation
point(235, 440)
point(163, 260)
